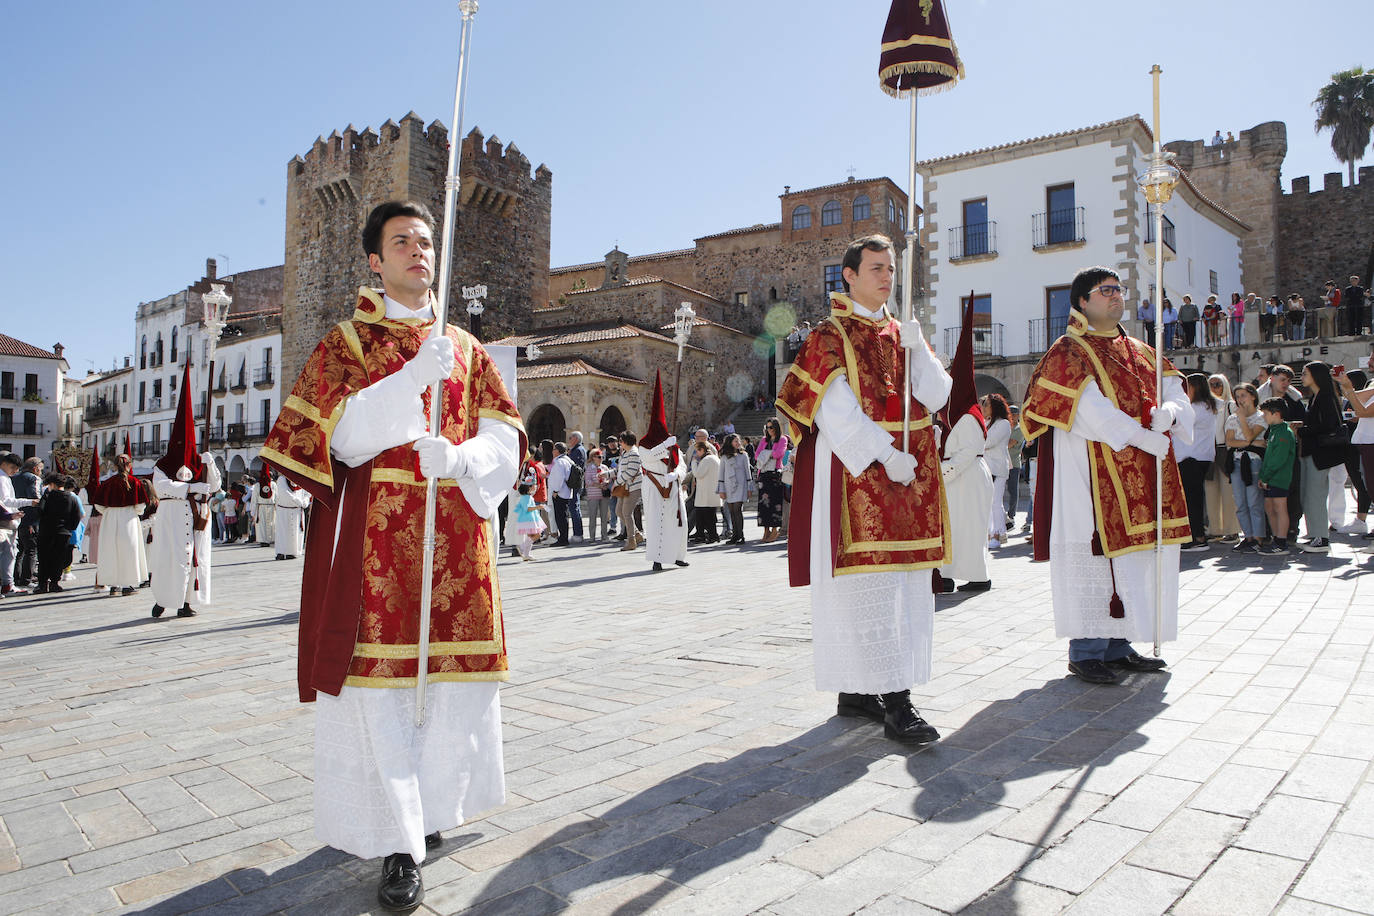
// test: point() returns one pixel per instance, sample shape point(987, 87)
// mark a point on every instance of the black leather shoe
point(128, 590)
point(681, 563)
point(1092, 670)
point(54, 587)
point(976, 586)
point(42, 589)
point(901, 721)
point(157, 610)
point(1138, 662)
point(401, 887)
point(860, 706)
point(186, 611)
point(658, 567)
point(433, 841)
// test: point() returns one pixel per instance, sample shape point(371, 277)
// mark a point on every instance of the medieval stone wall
point(1326, 234)
point(1243, 177)
point(501, 237)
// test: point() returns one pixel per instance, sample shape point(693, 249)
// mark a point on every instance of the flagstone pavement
point(666, 751)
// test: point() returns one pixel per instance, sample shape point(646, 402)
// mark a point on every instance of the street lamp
point(216, 316)
point(683, 319)
point(474, 295)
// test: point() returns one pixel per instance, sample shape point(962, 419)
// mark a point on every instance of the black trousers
point(1189, 329)
point(560, 517)
point(26, 560)
point(1194, 473)
point(54, 554)
point(705, 517)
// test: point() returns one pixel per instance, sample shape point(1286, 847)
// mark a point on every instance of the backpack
point(574, 476)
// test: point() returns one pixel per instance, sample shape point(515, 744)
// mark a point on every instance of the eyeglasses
point(1110, 290)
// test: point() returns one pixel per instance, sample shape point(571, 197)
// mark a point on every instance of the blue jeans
point(1249, 499)
point(575, 510)
point(1101, 649)
point(1237, 331)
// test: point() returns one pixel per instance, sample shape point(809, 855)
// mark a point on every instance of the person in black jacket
point(59, 515)
point(1323, 440)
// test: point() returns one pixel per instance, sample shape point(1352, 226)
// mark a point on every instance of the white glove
point(900, 466)
point(440, 458)
point(201, 489)
point(1162, 418)
point(432, 363)
point(1155, 443)
point(912, 336)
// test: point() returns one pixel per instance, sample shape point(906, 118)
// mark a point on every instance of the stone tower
point(1243, 177)
point(501, 237)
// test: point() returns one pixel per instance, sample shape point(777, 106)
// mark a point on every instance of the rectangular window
point(143, 399)
point(30, 451)
point(1212, 282)
point(740, 299)
point(982, 309)
point(125, 400)
point(30, 422)
point(6, 421)
point(157, 393)
point(975, 227)
point(30, 384)
point(6, 385)
point(266, 415)
point(834, 279)
point(1056, 317)
point(1059, 207)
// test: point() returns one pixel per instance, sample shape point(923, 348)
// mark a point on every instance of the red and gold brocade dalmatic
point(360, 597)
point(1123, 483)
point(879, 526)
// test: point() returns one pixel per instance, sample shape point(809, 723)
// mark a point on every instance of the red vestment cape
point(360, 595)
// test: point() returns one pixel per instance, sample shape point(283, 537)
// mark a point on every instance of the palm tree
point(1346, 107)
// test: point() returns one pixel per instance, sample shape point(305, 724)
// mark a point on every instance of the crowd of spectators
point(1335, 312)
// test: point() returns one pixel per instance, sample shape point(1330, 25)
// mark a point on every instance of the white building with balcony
point(31, 380)
point(1012, 224)
point(107, 412)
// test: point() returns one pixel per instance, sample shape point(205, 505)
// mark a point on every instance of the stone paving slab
point(666, 752)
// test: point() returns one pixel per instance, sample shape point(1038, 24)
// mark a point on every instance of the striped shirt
point(630, 469)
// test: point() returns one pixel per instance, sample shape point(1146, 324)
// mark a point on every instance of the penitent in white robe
point(179, 558)
point(290, 520)
point(381, 784)
point(120, 557)
point(1081, 584)
point(265, 515)
point(870, 632)
point(665, 520)
point(968, 487)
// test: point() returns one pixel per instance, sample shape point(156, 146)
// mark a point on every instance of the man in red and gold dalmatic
point(353, 433)
point(868, 518)
point(121, 562)
point(1092, 404)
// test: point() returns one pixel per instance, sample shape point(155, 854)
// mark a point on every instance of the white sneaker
point(1354, 526)
point(993, 543)
point(577, 539)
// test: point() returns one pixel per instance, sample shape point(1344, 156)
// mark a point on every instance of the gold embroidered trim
point(354, 680)
point(412, 650)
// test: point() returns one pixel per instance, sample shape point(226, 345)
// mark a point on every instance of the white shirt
point(1203, 446)
point(558, 476)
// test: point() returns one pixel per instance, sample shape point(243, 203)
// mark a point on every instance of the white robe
point(120, 558)
point(665, 520)
point(175, 580)
point(381, 784)
point(1081, 584)
point(289, 506)
point(968, 486)
point(266, 509)
point(870, 632)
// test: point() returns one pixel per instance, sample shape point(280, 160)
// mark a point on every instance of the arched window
point(863, 207)
point(157, 350)
point(891, 210)
point(832, 214)
point(143, 353)
point(174, 345)
point(801, 217)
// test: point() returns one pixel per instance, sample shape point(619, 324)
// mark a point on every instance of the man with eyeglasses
point(1093, 408)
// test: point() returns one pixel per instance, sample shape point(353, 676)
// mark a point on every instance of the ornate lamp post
point(216, 316)
point(474, 296)
point(1158, 183)
point(682, 329)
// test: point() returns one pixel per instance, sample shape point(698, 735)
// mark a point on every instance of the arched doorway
point(545, 422)
point(987, 384)
point(612, 423)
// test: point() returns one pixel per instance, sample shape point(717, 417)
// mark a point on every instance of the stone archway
point(237, 467)
point(546, 422)
point(987, 384)
point(612, 423)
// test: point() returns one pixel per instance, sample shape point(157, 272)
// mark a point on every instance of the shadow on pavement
point(69, 634)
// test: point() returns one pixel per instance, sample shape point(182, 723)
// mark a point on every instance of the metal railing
point(10, 428)
point(101, 412)
point(1045, 331)
point(1168, 232)
point(972, 240)
point(154, 404)
point(239, 384)
point(15, 393)
point(987, 340)
point(262, 377)
point(1057, 227)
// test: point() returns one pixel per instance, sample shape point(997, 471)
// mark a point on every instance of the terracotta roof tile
point(569, 368)
point(589, 333)
point(643, 281)
point(743, 230)
point(634, 259)
point(12, 346)
point(1063, 133)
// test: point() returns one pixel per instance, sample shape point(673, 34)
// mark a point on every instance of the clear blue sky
point(143, 137)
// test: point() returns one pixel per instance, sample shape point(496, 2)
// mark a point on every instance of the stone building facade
point(501, 236)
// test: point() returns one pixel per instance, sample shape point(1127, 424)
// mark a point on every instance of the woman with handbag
point(1245, 430)
point(628, 479)
point(1194, 458)
point(769, 460)
point(1322, 440)
point(597, 480)
point(1221, 501)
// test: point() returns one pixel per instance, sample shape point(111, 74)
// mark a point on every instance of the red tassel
point(1097, 545)
point(1118, 610)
